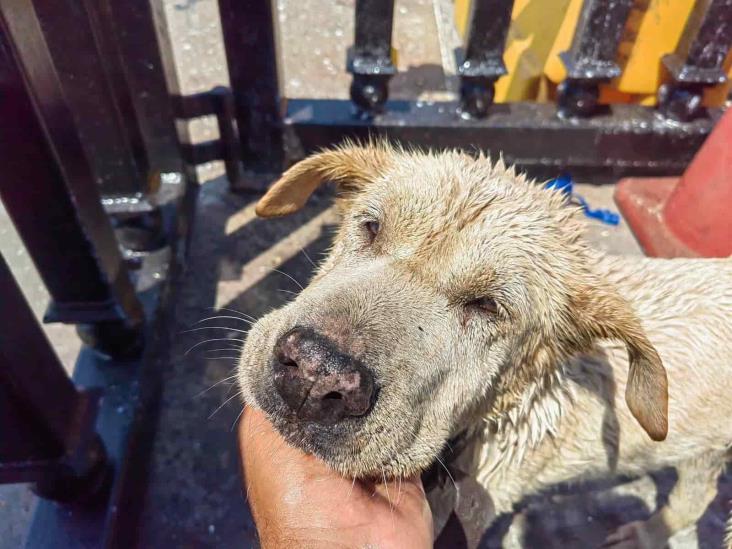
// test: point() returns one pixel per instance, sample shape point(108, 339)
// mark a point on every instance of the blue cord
point(565, 185)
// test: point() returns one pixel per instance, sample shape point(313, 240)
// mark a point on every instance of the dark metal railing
point(482, 61)
point(47, 424)
point(576, 133)
point(91, 176)
point(697, 63)
point(370, 59)
point(591, 58)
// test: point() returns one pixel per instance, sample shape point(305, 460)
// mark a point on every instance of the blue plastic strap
point(565, 185)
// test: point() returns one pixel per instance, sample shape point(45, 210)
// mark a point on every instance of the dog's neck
point(512, 427)
point(536, 414)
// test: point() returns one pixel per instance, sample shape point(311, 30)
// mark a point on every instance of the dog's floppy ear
point(603, 314)
point(348, 166)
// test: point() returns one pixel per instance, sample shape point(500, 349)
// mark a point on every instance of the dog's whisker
point(217, 317)
point(232, 397)
point(308, 257)
point(287, 291)
point(215, 328)
point(237, 419)
point(447, 471)
point(353, 484)
point(215, 385)
point(245, 315)
point(209, 341)
point(290, 277)
point(388, 499)
point(223, 349)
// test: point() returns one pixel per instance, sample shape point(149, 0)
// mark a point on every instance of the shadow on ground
point(195, 497)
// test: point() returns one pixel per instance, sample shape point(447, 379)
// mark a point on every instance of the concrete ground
point(195, 497)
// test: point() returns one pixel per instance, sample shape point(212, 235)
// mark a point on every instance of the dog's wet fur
point(460, 297)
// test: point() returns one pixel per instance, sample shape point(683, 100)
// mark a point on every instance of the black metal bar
point(591, 58)
point(252, 51)
point(482, 61)
point(127, 416)
point(698, 60)
point(47, 424)
point(110, 56)
point(219, 102)
point(628, 139)
point(83, 76)
point(370, 59)
point(48, 186)
point(141, 68)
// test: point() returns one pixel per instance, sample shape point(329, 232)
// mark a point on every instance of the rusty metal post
point(591, 58)
point(698, 60)
point(482, 62)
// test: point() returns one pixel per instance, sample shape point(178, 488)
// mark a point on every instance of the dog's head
point(453, 284)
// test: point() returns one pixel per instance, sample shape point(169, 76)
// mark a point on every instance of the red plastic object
point(689, 216)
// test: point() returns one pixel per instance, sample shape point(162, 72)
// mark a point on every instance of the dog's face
point(452, 287)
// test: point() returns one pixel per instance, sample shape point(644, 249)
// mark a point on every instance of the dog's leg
point(693, 492)
point(728, 532)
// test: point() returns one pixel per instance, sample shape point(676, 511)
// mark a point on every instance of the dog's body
point(459, 297)
point(580, 429)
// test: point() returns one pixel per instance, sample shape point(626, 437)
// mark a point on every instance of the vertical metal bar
point(252, 52)
point(72, 44)
point(698, 60)
point(370, 59)
point(142, 71)
point(482, 61)
point(591, 58)
point(48, 187)
point(47, 424)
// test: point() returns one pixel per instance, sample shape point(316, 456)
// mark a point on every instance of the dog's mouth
point(324, 439)
point(357, 447)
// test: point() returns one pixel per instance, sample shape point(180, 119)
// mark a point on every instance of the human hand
point(298, 501)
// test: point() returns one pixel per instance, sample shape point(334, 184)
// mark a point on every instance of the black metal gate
point(576, 133)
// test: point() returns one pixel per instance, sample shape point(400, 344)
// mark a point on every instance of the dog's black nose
point(317, 381)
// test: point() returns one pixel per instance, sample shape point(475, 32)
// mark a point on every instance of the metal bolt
point(369, 92)
point(577, 98)
point(680, 104)
point(476, 97)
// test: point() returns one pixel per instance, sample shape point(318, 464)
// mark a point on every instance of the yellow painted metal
point(650, 34)
point(462, 12)
point(541, 29)
point(554, 68)
point(653, 30)
point(534, 25)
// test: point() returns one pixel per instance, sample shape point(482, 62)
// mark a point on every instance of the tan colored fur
point(567, 382)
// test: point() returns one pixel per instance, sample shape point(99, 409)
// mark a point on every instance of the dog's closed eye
point(371, 228)
point(484, 305)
